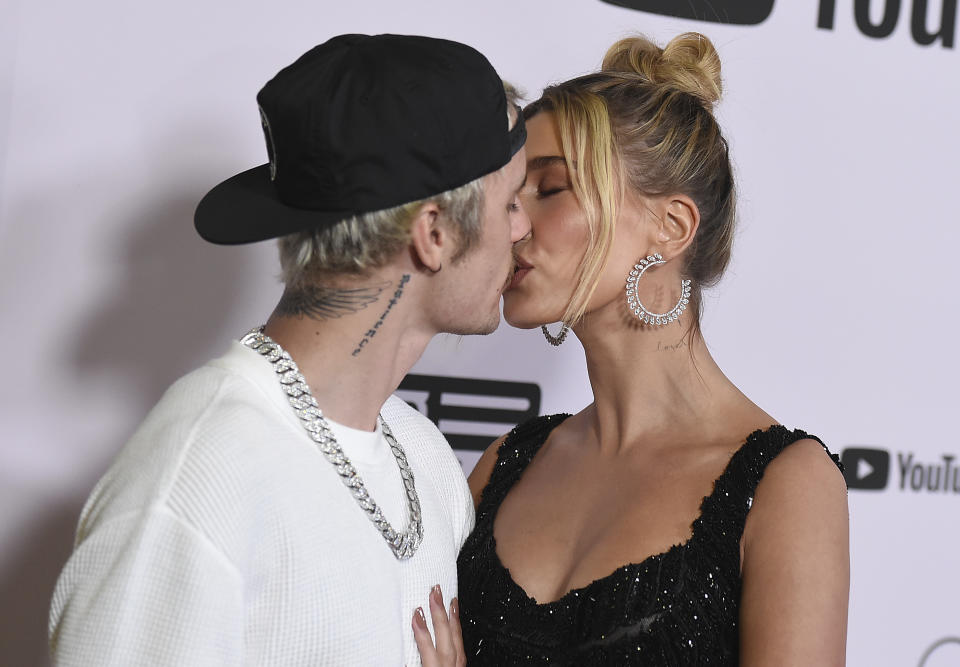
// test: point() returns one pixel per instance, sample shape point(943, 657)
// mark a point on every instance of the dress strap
point(724, 512)
point(513, 456)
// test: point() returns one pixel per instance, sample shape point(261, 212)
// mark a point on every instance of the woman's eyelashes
point(543, 192)
point(548, 187)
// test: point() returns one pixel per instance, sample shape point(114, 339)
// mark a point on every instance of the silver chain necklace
point(403, 545)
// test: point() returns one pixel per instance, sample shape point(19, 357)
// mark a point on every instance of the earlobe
point(427, 237)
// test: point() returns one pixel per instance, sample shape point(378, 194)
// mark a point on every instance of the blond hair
point(363, 242)
point(645, 121)
point(360, 243)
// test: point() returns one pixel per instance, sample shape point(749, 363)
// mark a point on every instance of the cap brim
point(245, 209)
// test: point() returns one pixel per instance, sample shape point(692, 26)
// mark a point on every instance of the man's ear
point(428, 237)
point(679, 219)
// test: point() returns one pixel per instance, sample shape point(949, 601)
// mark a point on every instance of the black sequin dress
point(679, 607)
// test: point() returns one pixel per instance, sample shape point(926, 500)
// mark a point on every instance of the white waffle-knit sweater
point(222, 536)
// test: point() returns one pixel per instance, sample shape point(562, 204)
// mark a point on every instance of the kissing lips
point(523, 268)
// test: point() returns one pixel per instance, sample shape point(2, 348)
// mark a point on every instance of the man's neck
point(354, 342)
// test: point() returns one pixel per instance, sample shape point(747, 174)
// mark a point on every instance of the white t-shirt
point(222, 536)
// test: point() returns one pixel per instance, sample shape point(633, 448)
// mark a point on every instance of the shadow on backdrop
point(165, 314)
point(26, 585)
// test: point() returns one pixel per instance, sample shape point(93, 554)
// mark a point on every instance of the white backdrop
point(836, 315)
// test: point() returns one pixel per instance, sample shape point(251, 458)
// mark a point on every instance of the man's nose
point(521, 227)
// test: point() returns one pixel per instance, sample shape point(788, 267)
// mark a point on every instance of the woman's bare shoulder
point(796, 562)
point(480, 475)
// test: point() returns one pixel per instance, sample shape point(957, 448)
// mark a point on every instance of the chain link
point(403, 545)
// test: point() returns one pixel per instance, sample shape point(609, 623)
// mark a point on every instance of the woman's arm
point(796, 563)
point(481, 472)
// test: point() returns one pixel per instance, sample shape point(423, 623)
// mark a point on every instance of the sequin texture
point(679, 607)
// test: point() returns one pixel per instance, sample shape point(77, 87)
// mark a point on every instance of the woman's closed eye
point(543, 192)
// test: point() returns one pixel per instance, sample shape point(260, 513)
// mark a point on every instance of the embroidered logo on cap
point(271, 149)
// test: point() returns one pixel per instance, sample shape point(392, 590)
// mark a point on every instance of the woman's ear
point(679, 219)
point(428, 237)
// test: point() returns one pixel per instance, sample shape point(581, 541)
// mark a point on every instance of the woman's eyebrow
point(544, 161)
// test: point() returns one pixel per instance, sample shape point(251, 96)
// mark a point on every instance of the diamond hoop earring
point(633, 299)
point(559, 338)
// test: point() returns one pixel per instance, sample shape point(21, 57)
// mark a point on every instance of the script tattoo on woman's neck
point(320, 302)
point(670, 347)
point(372, 331)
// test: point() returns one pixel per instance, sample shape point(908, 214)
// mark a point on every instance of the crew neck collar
point(358, 444)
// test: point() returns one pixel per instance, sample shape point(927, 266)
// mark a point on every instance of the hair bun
point(689, 63)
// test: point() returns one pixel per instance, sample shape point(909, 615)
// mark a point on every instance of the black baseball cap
point(361, 123)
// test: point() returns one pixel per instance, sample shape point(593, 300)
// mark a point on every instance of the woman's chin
point(521, 320)
point(522, 325)
point(517, 314)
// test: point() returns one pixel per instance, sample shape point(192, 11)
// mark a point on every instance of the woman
point(672, 521)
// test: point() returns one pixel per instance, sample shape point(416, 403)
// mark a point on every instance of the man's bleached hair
point(361, 243)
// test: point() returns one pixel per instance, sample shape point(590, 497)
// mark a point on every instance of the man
point(279, 505)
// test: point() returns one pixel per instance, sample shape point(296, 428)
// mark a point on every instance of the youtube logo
point(866, 468)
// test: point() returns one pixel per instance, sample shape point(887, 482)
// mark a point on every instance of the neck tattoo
point(319, 302)
point(372, 331)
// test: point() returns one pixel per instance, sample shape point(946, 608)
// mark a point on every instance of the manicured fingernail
point(436, 592)
point(455, 607)
point(419, 619)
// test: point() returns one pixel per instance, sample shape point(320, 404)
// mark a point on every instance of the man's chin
point(483, 329)
point(490, 328)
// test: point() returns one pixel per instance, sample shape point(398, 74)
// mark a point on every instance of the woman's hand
point(449, 646)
